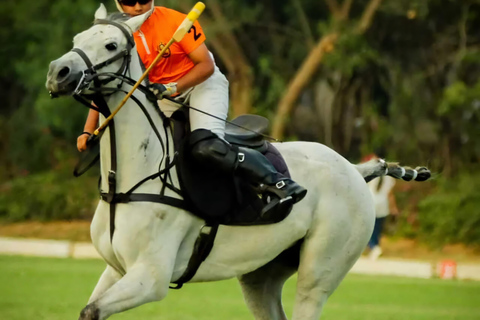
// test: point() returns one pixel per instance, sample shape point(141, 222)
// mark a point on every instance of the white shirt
point(380, 193)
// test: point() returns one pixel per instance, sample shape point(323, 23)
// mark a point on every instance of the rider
point(188, 72)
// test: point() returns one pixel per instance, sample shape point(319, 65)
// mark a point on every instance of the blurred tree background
point(395, 77)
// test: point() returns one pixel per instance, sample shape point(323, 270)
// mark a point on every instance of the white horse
point(153, 242)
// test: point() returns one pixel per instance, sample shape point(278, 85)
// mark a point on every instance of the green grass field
point(57, 289)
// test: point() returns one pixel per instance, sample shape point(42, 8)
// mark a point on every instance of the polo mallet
point(91, 155)
point(177, 37)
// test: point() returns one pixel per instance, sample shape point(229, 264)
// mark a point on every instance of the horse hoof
point(90, 312)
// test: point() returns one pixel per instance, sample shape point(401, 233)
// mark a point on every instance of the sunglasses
point(132, 3)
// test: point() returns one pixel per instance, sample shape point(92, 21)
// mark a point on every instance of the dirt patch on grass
point(59, 230)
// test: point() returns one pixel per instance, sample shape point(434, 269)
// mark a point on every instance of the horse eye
point(111, 46)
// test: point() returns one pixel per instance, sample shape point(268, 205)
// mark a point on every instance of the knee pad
point(207, 148)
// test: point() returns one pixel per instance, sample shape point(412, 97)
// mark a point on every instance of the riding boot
point(256, 168)
point(248, 163)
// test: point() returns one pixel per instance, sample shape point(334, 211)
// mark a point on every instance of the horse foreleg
point(262, 290)
point(109, 277)
point(141, 284)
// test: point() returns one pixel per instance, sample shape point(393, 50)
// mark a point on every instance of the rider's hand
point(163, 90)
point(82, 141)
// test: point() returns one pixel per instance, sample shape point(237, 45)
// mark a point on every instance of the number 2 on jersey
point(196, 35)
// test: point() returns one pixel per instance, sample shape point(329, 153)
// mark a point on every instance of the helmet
point(119, 6)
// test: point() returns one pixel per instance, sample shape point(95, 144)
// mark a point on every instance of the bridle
point(90, 75)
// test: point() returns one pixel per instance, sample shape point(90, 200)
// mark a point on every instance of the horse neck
point(139, 151)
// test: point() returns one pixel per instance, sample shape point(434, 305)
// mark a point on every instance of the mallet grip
point(188, 22)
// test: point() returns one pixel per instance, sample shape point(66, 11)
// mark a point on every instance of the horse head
point(100, 68)
point(105, 47)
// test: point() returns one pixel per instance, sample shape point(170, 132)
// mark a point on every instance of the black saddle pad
point(213, 195)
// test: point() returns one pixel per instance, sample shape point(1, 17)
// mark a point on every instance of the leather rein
point(90, 75)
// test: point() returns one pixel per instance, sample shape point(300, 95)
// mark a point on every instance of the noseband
point(90, 74)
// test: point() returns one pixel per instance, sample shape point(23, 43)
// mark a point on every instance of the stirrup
point(280, 194)
point(276, 210)
point(280, 188)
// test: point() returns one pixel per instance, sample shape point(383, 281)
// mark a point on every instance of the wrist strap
point(85, 132)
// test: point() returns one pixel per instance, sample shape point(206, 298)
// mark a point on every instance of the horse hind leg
point(262, 288)
point(378, 167)
point(406, 173)
point(330, 250)
point(372, 169)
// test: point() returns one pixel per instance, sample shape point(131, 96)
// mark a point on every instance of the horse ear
point(136, 22)
point(101, 12)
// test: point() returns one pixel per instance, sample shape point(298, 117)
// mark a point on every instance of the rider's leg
point(247, 163)
point(211, 96)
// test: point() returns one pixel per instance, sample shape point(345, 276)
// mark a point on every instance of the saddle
point(219, 198)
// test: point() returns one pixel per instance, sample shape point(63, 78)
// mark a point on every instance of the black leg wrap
point(423, 174)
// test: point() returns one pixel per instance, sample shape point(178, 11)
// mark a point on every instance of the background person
point(385, 204)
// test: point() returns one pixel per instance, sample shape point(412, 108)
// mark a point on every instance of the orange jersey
point(155, 33)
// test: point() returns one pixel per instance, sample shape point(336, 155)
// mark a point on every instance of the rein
point(224, 120)
point(90, 75)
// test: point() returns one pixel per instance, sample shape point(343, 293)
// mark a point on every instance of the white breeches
point(210, 96)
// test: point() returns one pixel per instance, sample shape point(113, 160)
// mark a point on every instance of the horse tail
point(378, 167)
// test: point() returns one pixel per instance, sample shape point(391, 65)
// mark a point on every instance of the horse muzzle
point(62, 79)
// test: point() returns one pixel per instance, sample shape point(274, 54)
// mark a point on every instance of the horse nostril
point(63, 73)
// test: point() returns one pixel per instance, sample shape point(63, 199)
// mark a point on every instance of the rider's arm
point(202, 70)
point(92, 121)
point(90, 126)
